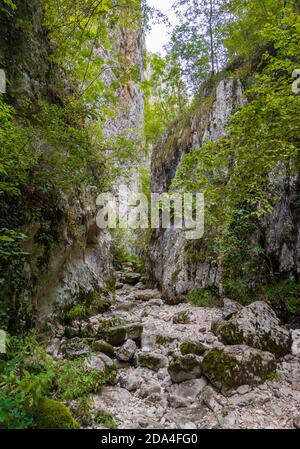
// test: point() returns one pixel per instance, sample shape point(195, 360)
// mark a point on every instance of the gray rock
point(249, 399)
point(229, 367)
point(102, 346)
point(230, 307)
point(209, 397)
point(296, 422)
point(94, 362)
point(54, 347)
point(258, 326)
point(152, 361)
point(176, 401)
point(191, 389)
point(76, 347)
point(130, 278)
point(227, 420)
point(107, 360)
point(148, 390)
point(126, 352)
point(130, 382)
point(185, 367)
point(296, 342)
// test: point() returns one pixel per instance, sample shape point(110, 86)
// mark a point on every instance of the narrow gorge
point(144, 328)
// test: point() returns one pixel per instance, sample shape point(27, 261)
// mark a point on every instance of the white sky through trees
point(158, 37)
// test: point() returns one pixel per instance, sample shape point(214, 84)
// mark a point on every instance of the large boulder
point(258, 326)
point(185, 367)
point(229, 367)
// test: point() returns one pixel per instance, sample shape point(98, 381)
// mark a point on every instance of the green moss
point(188, 347)
point(116, 336)
point(50, 414)
point(227, 373)
point(163, 340)
point(185, 367)
point(103, 346)
point(78, 312)
point(151, 362)
point(102, 417)
point(71, 332)
point(207, 297)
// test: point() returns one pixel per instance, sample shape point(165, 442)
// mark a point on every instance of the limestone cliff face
point(68, 254)
point(277, 233)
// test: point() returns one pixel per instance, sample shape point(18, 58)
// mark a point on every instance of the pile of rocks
point(183, 367)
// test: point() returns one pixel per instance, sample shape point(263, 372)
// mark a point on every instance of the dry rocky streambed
point(186, 367)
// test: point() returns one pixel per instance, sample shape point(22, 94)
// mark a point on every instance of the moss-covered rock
point(152, 361)
point(134, 331)
point(229, 367)
point(116, 336)
point(255, 325)
point(185, 367)
point(71, 332)
point(49, 414)
point(188, 347)
point(75, 347)
point(103, 346)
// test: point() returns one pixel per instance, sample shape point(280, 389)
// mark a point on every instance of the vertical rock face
point(79, 259)
point(278, 232)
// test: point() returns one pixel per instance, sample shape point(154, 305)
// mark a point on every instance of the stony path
point(145, 398)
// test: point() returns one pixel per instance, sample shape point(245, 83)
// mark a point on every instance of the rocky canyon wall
point(68, 255)
point(276, 234)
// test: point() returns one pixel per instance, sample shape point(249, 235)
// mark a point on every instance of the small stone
point(103, 346)
point(296, 342)
point(185, 367)
point(152, 361)
point(296, 422)
point(243, 389)
point(209, 397)
point(277, 410)
point(176, 401)
point(187, 347)
point(75, 347)
point(54, 347)
point(94, 362)
point(126, 352)
point(227, 421)
point(130, 382)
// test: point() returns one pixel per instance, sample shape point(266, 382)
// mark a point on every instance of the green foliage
point(12, 259)
point(104, 418)
point(105, 325)
point(234, 172)
point(86, 303)
point(284, 297)
point(165, 94)
point(123, 256)
point(28, 375)
point(204, 297)
point(50, 414)
point(78, 312)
